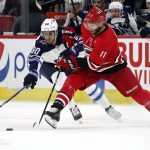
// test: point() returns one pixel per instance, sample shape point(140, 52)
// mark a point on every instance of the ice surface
point(98, 131)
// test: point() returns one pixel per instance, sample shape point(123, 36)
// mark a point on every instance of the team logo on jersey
point(89, 42)
point(4, 63)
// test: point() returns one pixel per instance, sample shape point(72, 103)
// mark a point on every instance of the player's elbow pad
point(82, 62)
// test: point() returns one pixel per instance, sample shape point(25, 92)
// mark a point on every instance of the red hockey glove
point(67, 64)
point(67, 36)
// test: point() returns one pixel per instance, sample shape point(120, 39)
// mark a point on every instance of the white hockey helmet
point(76, 1)
point(116, 5)
point(49, 25)
point(147, 1)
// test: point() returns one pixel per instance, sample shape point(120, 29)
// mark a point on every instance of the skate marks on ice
point(98, 130)
point(21, 116)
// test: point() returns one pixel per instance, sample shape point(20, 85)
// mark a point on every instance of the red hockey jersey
point(103, 50)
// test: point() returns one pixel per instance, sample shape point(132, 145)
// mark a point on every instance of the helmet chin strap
point(56, 34)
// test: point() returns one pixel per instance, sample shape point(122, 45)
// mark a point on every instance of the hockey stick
point(87, 5)
point(75, 12)
point(18, 92)
point(39, 3)
point(48, 98)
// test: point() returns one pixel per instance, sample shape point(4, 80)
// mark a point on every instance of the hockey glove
point(67, 64)
point(68, 34)
point(30, 80)
point(65, 53)
point(74, 51)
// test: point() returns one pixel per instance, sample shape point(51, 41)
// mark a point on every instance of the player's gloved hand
point(67, 64)
point(68, 34)
point(30, 80)
point(133, 23)
point(65, 53)
point(74, 51)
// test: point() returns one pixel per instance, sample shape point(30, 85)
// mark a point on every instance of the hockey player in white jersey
point(41, 59)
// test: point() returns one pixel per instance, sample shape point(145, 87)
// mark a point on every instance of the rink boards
point(13, 68)
point(41, 94)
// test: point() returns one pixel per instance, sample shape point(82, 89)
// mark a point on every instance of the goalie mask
point(49, 30)
point(94, 20)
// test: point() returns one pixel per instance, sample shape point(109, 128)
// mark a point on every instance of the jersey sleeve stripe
point(91, 65)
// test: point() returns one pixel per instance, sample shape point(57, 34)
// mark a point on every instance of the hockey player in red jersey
point(104, 62)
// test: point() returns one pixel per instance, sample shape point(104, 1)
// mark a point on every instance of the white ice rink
point(98, 131)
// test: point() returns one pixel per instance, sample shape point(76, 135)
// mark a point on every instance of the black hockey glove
point(74, 51)
point(65, 53)
point(30, 80)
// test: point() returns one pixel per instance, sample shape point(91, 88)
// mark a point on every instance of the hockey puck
point(9, 129)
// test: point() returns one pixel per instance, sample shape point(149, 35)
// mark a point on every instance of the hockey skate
point(52, 117)
point(113, 113)
point(75, 111)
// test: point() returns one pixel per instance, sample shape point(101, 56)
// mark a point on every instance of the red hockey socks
point(143, 98)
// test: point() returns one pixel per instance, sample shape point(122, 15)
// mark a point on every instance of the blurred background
point(20, 23)
point(25, 16)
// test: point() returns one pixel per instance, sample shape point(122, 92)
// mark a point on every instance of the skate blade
point(116, 118)
point(51, 122)
point(79, 121)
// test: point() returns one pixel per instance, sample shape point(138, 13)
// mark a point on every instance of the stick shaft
point(75, 13)
point(19, 91)
point(49, 97)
